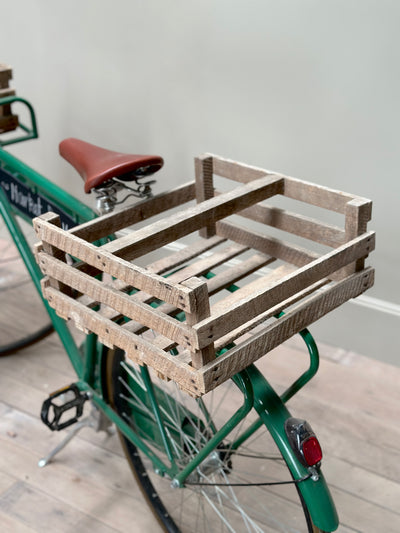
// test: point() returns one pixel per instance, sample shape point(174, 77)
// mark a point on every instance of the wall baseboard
point(376, 304)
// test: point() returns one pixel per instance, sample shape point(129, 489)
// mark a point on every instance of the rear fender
point(274, 413)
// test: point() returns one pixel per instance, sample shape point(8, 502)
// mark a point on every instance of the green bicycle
point(233, 459)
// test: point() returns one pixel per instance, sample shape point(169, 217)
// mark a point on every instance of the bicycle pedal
point(60, 402)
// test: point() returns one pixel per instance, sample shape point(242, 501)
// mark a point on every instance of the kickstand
point(96, 420)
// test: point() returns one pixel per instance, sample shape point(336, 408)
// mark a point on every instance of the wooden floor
point(353, 405)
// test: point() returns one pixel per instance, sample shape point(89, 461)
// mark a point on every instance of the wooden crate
point(265, 274)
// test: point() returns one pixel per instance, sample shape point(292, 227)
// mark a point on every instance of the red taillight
point(312, 452)
point(303, 441)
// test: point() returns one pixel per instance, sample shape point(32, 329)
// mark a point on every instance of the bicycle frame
point(26, 193)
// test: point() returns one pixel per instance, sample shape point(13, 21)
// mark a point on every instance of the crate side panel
point(123, 270)
point(221, 323)
point(124, 304)
point(291, 323)
point(137, 348)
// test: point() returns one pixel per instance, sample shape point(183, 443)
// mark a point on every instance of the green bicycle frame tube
point(67, 202)
point(144, 372)
point(122, 425)
point(217, 438)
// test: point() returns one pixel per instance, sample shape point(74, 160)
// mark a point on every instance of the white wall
point(308, 88)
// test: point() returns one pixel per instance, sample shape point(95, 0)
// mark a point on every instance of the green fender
point(273, 413)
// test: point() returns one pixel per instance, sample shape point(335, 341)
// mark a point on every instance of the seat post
point(106, 198)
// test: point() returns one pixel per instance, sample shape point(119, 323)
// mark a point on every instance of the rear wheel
point(211, 500)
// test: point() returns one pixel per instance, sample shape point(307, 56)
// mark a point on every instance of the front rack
point(9, 122)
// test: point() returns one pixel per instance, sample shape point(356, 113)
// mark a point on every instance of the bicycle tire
point(157, 490)
point(24, 320)
point(40, 334)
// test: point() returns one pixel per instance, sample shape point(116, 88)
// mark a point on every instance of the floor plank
point(12, 525)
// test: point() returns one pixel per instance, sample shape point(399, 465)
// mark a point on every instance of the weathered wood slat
point(317, 195)
point(123, 270)
point(215, 284)
point(247, 327)
point(219, 324)
point(291, 253)
point(358, 213)
point(297, 189)
point(138, 349)
point(184, 255)
point(300, 225)
point(246, 292)
point(124, 304)
point(203, 167)
point(167, 263)
point(204, 354)
point(295, 320)
point(201, 266)
point(107, 224)
point(236, 171)
point(194, 269)
point(236, 272)
point(185, 222)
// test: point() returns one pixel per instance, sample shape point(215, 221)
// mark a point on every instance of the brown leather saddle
point(97, 165)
